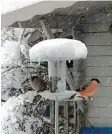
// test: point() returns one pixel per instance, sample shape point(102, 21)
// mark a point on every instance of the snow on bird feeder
point(56, 52)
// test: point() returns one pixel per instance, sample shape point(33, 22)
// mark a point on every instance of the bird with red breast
point(88, 90)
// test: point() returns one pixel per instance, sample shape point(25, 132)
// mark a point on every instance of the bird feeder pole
point(56, 115)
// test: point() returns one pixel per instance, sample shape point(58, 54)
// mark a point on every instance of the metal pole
point(56, 115)
point(66, 120)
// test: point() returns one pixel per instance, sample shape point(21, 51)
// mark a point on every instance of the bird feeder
point(56, 52)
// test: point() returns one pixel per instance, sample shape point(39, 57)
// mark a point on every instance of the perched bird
point(88, 90)
point(37, 83)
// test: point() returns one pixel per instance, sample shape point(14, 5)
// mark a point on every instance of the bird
point(87, 90)
point(37, 83)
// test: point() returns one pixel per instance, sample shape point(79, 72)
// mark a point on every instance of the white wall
point(99, 65)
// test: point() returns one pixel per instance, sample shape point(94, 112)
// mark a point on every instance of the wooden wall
point(99, 65)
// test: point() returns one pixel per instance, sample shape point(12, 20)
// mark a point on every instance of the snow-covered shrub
point(23, 113)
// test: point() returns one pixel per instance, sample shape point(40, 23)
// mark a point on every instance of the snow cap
point(58, 49)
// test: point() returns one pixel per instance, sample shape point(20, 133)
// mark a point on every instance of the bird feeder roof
point(58, 49)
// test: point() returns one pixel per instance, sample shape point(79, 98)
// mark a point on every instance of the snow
point(10, 53)
point(7, 111)
point(58, 70)
point(13, 71)
point(58, 49)
point(61, 85)
point(60, 96)
point(47, 120)
point(29, 96)
point(11, 5)
point(25, 48)
point(11, 68)
point(13, 117)
point(19, 132)
point(11, 79)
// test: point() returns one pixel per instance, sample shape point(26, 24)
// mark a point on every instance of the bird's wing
point(83, 88)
